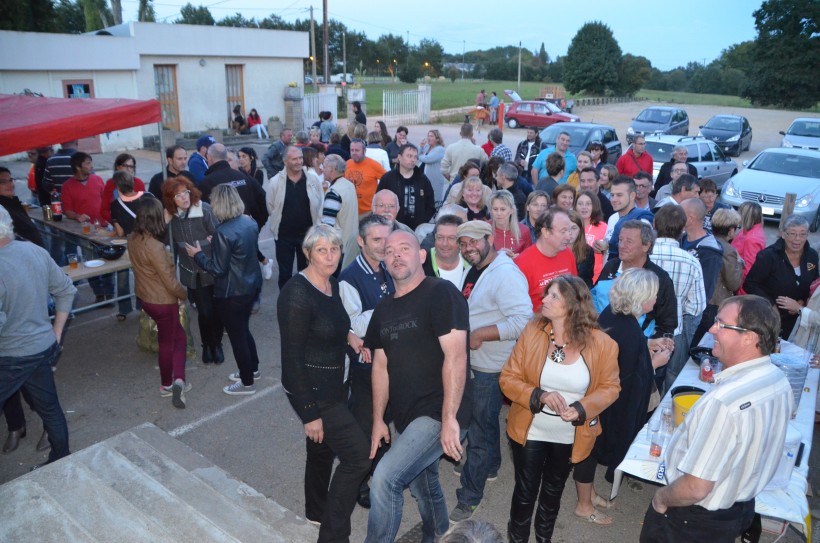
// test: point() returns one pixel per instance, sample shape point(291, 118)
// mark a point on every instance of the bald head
point(215, 153)
point(386, 204)
point(694, 208)
point(403, 258)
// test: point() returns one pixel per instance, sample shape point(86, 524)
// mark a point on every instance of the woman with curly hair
point(562, 374)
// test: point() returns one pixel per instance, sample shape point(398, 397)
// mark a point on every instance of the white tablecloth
point(788, 503)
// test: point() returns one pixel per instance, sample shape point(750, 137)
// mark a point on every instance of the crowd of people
point(421, 288)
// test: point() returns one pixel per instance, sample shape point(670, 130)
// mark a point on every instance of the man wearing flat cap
point(499, 304)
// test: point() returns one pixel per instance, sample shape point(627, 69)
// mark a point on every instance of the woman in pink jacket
point(751, 239)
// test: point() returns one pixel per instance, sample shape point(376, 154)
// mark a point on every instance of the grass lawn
point(447, 95)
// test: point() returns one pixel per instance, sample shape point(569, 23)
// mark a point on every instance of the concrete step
point(142, 485)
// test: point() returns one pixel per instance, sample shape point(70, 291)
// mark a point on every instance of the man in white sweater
point(500, 307)
point(460, 152)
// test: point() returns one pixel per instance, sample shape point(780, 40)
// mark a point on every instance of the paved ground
point(107, 385)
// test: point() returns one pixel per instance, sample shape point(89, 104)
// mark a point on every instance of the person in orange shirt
point(364, 173)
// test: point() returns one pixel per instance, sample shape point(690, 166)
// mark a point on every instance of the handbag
point(147, 334)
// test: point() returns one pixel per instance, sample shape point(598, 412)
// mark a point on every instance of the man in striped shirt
point(687, 276)
point(340, 208)
point(729, 445)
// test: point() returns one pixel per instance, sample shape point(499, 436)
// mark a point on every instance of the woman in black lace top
point(314, 326)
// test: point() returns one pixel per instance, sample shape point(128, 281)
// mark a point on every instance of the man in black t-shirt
point(420, 363)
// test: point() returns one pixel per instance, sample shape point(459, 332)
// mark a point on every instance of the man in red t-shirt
point(82, 194)
point(550, 256)
point(636, 159)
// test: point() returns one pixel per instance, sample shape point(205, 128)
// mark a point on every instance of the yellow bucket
point(683, 402)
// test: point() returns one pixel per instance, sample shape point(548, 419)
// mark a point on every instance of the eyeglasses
point(129, 166)
point(730, 326)
point(470, 242)
point(183, 193)
point(386, 206)
point(796, 235)
point(641, 186)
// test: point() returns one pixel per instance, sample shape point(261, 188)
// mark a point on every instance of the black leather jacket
point(233, 260)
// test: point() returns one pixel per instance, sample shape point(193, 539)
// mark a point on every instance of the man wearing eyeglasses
point(444, 259)
point(679, 155)
point(386, 204)
point(643, 186)
point(675, 173)
point(496, 293)
point(636, 159)
point(728, 447)
point(364, 173)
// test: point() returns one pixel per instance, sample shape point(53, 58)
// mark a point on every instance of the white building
point(199, 73)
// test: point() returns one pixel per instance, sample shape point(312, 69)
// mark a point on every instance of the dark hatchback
point(732, 133)
point(582, 134)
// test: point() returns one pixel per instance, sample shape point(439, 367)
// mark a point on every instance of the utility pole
point(313, 48)
point(325, 59)
point(463, 48)
point(344, 56)
point(408, 39)
point(519, 67)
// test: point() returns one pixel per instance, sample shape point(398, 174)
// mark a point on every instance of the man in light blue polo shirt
point(539, 167)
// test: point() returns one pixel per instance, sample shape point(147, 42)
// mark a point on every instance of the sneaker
point(462, 512)
point(457, 468)
point(238, 388)
point(178, 392)
point(492, 476)
point(267, 270)
point(257, 304)
point(167, 392)
point(235, 376)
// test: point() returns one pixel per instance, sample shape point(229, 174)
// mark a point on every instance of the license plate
point(768, 211)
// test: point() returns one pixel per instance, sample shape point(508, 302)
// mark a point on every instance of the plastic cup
point(656, 444)
point(73, 263)
point(86, 228)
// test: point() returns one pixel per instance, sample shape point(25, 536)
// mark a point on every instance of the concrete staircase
point(142, 485)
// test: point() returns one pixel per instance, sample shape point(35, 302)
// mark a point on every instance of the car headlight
point(730, 190)
point(786, 143)
point(804, 201)
point(630, 131)
point(734, 138)
point(574, 120)
point(700, 134)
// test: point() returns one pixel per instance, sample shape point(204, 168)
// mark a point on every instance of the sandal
point(602, 519)
point(602, 503)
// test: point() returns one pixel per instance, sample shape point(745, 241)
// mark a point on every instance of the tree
point(28, 16)
point(70, 17)
point(543, 56)
point(785, 54)
point(238, 20)
point(431, 51)
point(116, 11)
point(411, 70)
point(195, 16)
point(145, 12)
point(592, 60)
point(633, 74)
point(96, 13)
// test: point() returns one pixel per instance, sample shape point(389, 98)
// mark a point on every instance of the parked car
point(338, 78)
point(536, 114)
point(659, 120)
point(804, 133)
point(772, 174)
point(582, 134)
point(704, 155)
point(732, 132)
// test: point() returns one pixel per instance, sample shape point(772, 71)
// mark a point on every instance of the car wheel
point(512, 123)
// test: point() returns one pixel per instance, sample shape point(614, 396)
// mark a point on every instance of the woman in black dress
point(314, 327)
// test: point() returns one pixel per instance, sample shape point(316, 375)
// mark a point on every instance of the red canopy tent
point(28, 122)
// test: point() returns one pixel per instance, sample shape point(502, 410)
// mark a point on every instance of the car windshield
point(660, 152)
point(577, 135)
point(552, 107)
point(805, 128)
point(657, 116)
point(798, 165)
point(724, 123)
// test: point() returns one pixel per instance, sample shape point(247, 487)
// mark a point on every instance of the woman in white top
point(431, 151)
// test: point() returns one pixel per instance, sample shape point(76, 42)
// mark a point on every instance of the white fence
point(403, 107)
point(314, 103)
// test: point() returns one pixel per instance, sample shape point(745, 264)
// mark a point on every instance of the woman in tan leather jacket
point(160, 293)
point(562, 374)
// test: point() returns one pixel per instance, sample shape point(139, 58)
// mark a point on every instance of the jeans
point(411, 461)
point(483, 445)
point(236, 315)
point(286, 250)
point(171, 339)
point(331, 501)
point(681, 354)
point(33, 374)
point(209, 320)
point(124, 289)
point(260, 128)
point(541, 470)
point(694, 524)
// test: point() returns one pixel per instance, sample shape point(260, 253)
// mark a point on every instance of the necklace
point(557, 355)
